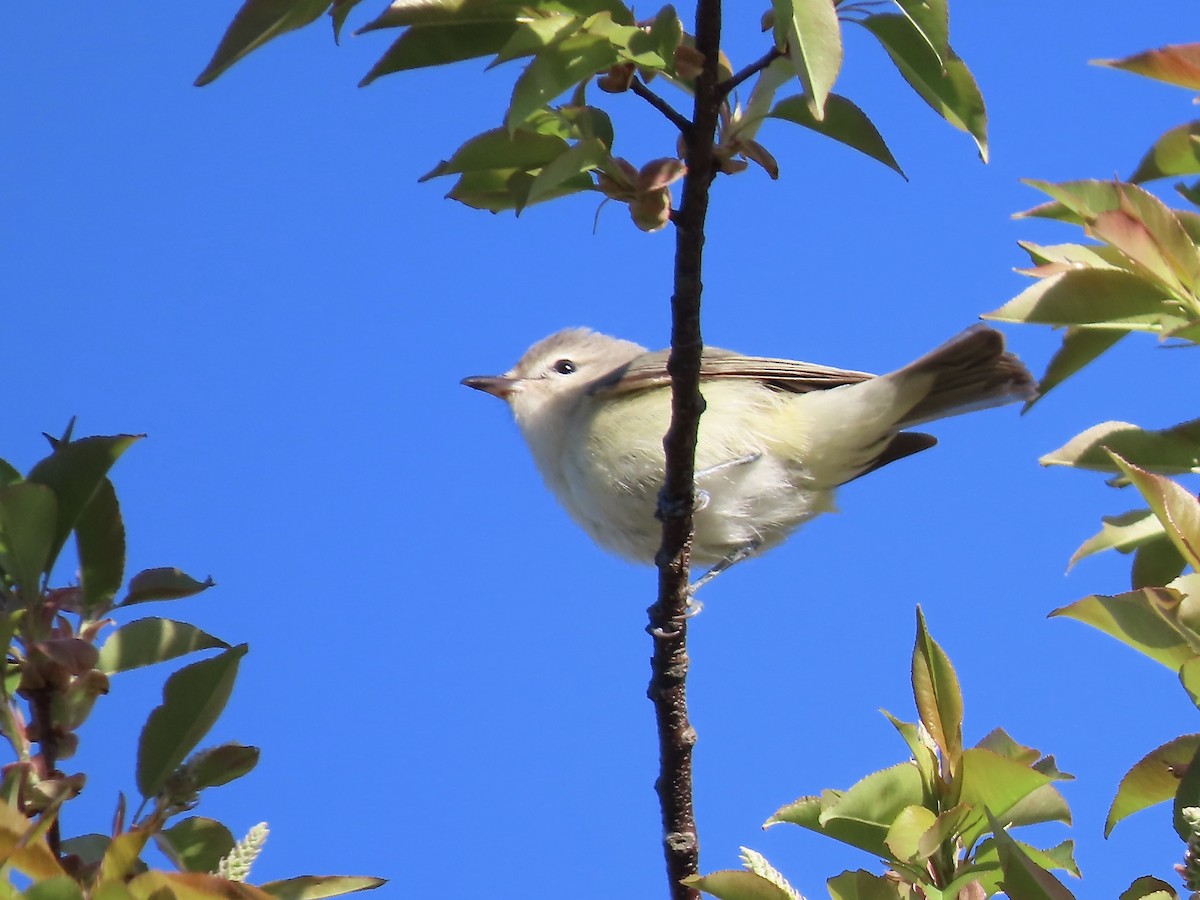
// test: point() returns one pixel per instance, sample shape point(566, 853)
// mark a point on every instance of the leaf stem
point(638, 87)
point(724, 88)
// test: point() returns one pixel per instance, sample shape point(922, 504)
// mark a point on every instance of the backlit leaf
point(438, 45)
point(1177, 152)
point(812, 36)
point(938, 698)
point(1091, 298)
point(100, 539)
point(737, 884)
point(196, 844)
point(28, 522)
point(1133, 618)
point(1175, 506)
point(1175, 64)
point(1169, 451)
point(314, 887)
point(152, 640)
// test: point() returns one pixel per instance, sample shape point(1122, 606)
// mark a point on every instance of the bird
point(776, 440)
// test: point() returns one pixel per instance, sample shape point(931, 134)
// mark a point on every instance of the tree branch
point(758, 65)
point(668, 616)
point(673, 116)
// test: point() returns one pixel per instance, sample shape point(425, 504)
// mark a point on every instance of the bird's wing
point(650, 371)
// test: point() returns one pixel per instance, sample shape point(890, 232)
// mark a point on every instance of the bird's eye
point(564, 367)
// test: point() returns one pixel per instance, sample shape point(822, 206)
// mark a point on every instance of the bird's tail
point(970, 371)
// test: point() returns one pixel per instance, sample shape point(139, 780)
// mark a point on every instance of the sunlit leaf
point(1187, 794)
point(1153, 779)
point(1175, 64)
point(1169, 451)
point(1134, 618)
point(843, 121)
point(531, 36)
point(862, 815)
point(401, 13)
point(193, 698)
point(23, 851)
point(314, 887)
point(994, 783)
point(737, 884)
point(904, 834)
point(937, 694)
point(1176, 507)
point(1177, 152)
point(1023, 878)
point(157, 884)
point(863, 885)
point(1091, 298)
point(1149, 888)
point(1125, 533)
point(122, 854)
point(257, 22)
point(438, 45)
point(945, 84)
point(147, 641)
point(222, 764)
point(809, 31)
point(61, 888)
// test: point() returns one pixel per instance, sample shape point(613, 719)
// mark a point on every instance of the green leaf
point(28, 520)
point(222, 764)
point(257, 22)
point(1176, 152)
point(862, 885)
point(100, 540)
point(61, 888)
point(1149, 888)
point(861, 816)
point(193, 698)
point(1023, 878)
point(1175, 64)
point(1135, 618)
point(88, 847)
point(843, 121)
point(946, 84)
point(152, 640)
point(1156, 563)
point(164, 583)
point(1153, 779)
point(75, 471)
point(423, 46)
point(500, 150)
point(1189, 677)
point(196, 844)
point(534, 35)
point(505, 189)
point(904, 835)
point(1187, 794)
point(1176, 508)
point(932, 19)
point(1169, 451)
point(1089, 298)
point(1124, 533)
point(339, 11)
point(994, 783)
point(556, 69)
point(8, 475)
point(1080, 346)
point(578, 160)
point(737, 884)
point(936, 691)
point(313, 887)
point(810, 33)
point(923, 755)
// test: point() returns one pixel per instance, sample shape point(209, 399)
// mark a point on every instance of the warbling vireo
point(776, 439)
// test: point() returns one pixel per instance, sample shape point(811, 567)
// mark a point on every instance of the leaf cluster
point(546, 149)
point(55, 670)
point(939, 820)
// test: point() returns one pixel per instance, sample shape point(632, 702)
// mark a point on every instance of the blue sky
point(446, 679)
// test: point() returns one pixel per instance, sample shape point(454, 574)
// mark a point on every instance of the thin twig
point(673, 115)
point(41, 705)
point(668, 616)
point(758, 65)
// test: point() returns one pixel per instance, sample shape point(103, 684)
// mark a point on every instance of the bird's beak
point(497, 385)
